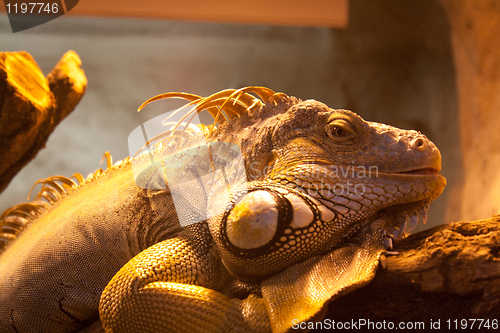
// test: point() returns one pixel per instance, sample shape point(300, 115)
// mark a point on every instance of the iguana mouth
point(422, 171)
point(428, 170)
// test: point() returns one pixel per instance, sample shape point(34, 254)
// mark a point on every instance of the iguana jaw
point(403, 218)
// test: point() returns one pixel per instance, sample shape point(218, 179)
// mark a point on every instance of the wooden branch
point(31, 106)
point(451, 272)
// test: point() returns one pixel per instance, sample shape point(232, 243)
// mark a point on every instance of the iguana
point(325, 194)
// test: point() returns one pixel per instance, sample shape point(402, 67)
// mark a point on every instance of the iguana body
point(287, 245)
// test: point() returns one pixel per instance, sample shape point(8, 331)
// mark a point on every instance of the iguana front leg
point(170, 287)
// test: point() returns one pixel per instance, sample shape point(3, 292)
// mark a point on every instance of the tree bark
point(450, 272)
point(31, 106)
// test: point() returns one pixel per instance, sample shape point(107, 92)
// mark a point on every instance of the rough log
point(445, 273)
point(32, 105)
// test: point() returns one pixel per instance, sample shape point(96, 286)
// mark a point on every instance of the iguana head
point(317, 177)
point(320, 177)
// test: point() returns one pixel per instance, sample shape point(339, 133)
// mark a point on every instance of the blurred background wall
point(392, 64)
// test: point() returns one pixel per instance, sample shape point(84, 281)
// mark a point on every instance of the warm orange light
point(314, 13)
point(28, 80)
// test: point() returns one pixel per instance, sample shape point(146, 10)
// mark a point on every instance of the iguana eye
point(340, 130)
point(337, 131)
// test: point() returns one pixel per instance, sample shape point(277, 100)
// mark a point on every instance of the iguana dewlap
point(325, 193)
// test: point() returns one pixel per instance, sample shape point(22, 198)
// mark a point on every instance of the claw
point(396, 233)
point(399, 232)
point(423, 214)
point(401, 228)
point(383, 261)
point(413, 222)
point(388, 243)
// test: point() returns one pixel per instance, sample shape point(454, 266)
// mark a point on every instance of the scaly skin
point(325, 191)
point(53, 274)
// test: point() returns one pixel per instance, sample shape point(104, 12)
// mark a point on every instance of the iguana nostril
point(418, 144)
